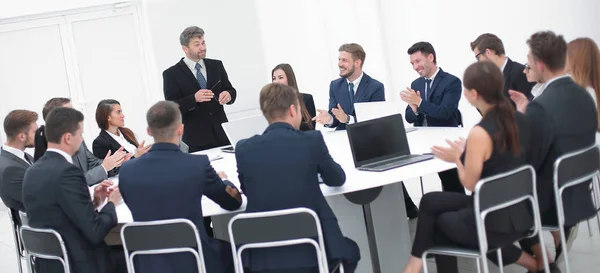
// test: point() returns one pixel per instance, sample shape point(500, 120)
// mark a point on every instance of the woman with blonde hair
point(583, 64)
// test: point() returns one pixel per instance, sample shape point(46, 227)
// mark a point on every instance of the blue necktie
point(351, 93)
point(200, 77)
point(427, 88)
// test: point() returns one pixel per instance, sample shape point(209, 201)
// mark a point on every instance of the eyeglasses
point(527, 67)
point(478, 55)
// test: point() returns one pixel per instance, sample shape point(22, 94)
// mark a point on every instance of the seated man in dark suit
point(167, 184)
point(95, 170)
point(279, 170)
point(432, 101)
point(20, 127)
point(563, 120)
point(56, 196)
point(354, 86)
point(488, 47)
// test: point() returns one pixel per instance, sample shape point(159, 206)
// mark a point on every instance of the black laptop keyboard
point(394, 162)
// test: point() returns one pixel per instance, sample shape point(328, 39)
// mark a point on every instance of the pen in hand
point(211, 89)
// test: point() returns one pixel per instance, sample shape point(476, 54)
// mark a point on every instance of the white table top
point(420, 141)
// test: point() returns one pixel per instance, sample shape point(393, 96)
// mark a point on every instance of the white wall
point(253, 36)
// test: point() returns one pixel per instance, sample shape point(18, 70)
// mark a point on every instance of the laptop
point(380, 144)
point(239, 129)
point(377, 109)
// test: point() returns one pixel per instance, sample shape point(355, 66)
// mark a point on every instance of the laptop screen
point(378, 139)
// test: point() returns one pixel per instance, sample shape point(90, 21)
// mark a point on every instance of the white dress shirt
point(61, 152)
point(504, 65)
point(356, 83)
point(123, 142)
point(16, 152)
point(192, 65)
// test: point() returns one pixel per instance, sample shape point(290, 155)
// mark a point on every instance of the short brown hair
point(549, 48)
point(18, 121)
point(163, 120)
point(488, 41)
point(60, 121)
point(53, 103)
point(356, 51)
point(275, 100)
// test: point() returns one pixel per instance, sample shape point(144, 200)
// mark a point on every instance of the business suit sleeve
point(226, 84)
point(410, 116)
point(309, 102)
point(215, 190)
point(331, 172)
point(447, 107)
point(541, 135)
point(96, 172)
point(332, 104)
point(100, 148)
point(12, 186)
point(173, 93)
point(74, 199)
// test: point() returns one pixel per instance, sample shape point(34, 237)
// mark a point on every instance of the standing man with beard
point(353, 86)
point(201, 87)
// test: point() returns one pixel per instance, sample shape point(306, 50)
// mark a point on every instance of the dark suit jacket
point(56, 196)
point(151, 193)
point(40, 143)
point(563, 119)
point(310, 106)
point(441, 106)
point(104, 143)
point(278, 170)
point(12, 171)
point(202, 120)
point(515, 79)
point(369, 90)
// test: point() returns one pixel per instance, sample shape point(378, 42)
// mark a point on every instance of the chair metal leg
point(422, 190)
point(589, 227)
point(19, 259)
point(424, 259)
point(500, 265)
point(563, 241)
point(478, 265)
point(30, 267)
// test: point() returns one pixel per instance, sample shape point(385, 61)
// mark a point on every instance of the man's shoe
point(553, 269)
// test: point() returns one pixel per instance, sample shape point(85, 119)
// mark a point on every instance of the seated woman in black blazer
point(113, 134)
point(497, 144)
point(284, 74)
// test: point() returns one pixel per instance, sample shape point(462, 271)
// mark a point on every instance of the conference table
point(369, 206)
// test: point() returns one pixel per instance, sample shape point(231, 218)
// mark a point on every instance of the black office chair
point(15, 223)
point(575, 169)
point(493, 194)
point(278, 228)
point(161, 237)
point(44, 244)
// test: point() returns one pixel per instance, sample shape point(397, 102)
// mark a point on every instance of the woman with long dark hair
point(114, 134)
point(493, 146)
point(284, 74)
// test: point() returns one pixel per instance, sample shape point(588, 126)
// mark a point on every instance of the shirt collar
point(63, 153)
point(357, 81)
point(539, 88)
point(504, 65)
point(192, 65)
point(434, 74)
point(18, 153)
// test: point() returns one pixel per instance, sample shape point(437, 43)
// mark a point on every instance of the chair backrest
point(161, 237)
point(502, 191)
point(576, 167)
point(277, 228)
point(15, 223)
point(45, 244)
point(23, 218)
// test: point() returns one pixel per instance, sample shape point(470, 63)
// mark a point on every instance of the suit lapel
point(438, 78)
point(80, 157)
point(14, 158)
point(344, 97)
point(186, 70)
point(111, 140)
point(362, 88)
